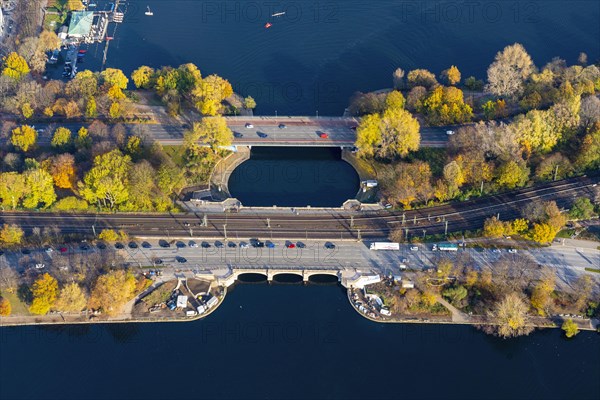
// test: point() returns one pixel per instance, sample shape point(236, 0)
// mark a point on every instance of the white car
point(49, 250)
point(249, 126)
point(449, 132)
point(414, 248)
point(244, 245)
point(513, 251)
point(192, 244)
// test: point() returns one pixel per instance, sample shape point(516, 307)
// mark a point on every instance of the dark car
point(179, 244)
point(25, 251)
point(329, 245)
point(258, 243)
point(205, 245)
point(133, 245)
point(101, 246)
point(181, 259)
point(231, 244)
point(238, 134)
point(119, 246)
point(219, 245)
point(163, 243)
point(84, 246)
point(300, 245)
point(261, 134)
point(158, 261)
point(146, 245)
point(282, 126)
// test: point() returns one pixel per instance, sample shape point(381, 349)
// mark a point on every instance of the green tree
point(142, 77)
point(571, 329)
point(249, 103)
point(71, 299)
point(512, 174)
point(212, 131)
point(24, 137)
point(582, 209)
point(114, 77)
point(5, 307)
point(71, 203)
point(112, 291)
point(11, 234)
point(588, 154)
point(455, 294)
point(105, 184)
point(41, 189)
point(44, 291)
point(14, 66)
point(62, 137)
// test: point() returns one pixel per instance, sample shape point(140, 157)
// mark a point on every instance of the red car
point(323, 135)
point(63, 249)
point(290, 246)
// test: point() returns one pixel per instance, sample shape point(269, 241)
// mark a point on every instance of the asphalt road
point(334, 224)
point(298, 131)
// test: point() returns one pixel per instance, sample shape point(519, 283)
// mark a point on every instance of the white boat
point(149, 12)
point(279, 14)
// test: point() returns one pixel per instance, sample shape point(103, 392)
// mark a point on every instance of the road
point(304, 224)
point(298, 131)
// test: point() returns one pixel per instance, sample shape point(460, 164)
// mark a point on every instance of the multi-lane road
point(264, 131)
point(330, 224)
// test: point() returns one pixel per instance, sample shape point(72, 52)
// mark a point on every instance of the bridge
point(347, 277)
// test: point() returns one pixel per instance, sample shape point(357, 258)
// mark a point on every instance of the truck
point(384, 246)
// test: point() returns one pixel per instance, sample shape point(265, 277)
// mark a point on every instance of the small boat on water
point(149, 12)
point(279, 14)
point(268, 25)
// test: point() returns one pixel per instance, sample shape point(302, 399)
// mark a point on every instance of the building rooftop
point(81, 23)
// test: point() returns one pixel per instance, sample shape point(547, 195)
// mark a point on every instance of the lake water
point(294, 177)
point(320, 52)
point(292, 342)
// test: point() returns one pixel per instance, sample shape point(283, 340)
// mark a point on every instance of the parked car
point(323, 135)
point(219, 245)
point(290, 245)
point(414, 248)
point(205, 245)
point(133, 245)
point(270, 245)
point(282, 126)
point(513, 251)
point(101, 245)
point(191, 243)
point(244, 245)
point(146, 245)
point(449, 132)
point(231, 244)
point(119, 246)
point(163, 243)
point(63, 249)
point(329, 245)
point(179, 244)
point(181, 259)
point(49, 250)
point(249, 126)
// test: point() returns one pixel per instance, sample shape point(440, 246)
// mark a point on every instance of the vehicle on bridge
point(384, 246)
point(445, 247)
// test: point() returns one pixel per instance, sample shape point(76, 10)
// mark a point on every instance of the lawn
point(18, 307)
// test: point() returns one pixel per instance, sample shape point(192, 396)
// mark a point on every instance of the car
point(414, 248)
point(249, 125)
point(187, 224)
point(329, 245)
point(282, 126)
point(219, 245)
point(387, 206)
point(512, 251)
point(181, 259)
point(434, 247)
point(258, 243)
point(119, 246)
point(290, 245)
point(146, 245)
point(63, 249)
point(84, 247)
point(191, 243)
point(270, 245)
point(231, 244)
point(496, 251)
point(244, 245)
point(323, 135)
point(1, 252)
point(25, 251)
point(133, 245)
point(238, 135)
point(404, 260)
point(449, 132)
point(158, 261)
point(164, 244)
point(40, 266)
point(49, 250)
point(262, 135)
point(205, 245)
point(300, 245)
point(179, 244)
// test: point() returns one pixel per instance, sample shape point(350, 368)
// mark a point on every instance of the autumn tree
point(142, 77)
point(209, 94)
point(24, 137)
point(109, 235)
point(541, 294)
point(451, 75)
point(105, 184)
point(45, 292)
point(212, 131)
point(511, 67)
point(421, 77)
point(509, 317)
point(408, 183)
point(588, 153)
point(398, 78)
point(11, 234)
point(41, 192)
point(445, 105)
point(14, 66)
point(494, 228)
point(5, 307)
point(393, 134)
point(571, 329)
point(114, 77)
point(83, 86)
point(13, 189)
point(112, 291)
point(61, 137)
point(249, 103)
point(62, 169)
point(512, 174)
point(71, 298)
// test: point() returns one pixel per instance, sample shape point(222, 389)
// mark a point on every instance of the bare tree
point(398, 78)
point(511, 67)
point(509, 317)
point(589, 111)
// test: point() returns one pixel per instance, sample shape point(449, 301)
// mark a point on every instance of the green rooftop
point(81, 23)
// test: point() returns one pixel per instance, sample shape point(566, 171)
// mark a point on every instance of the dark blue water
point(294, 177)
point(317, 55)
point(282, 341)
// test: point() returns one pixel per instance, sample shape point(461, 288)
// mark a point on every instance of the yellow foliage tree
point(71, 299)
point(112, 291)
point(428, 298)
point(15, 66)
point(61, 137)
point(571, 329)
point(109, 235)
point(45, 291)
point(493, 228)
point(11, 234)
point(62, 169)
point(23, 137)
point(5, 307)
point(543, 233)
